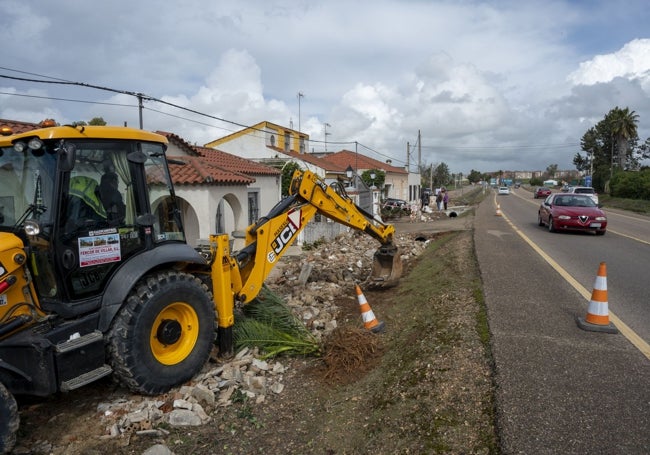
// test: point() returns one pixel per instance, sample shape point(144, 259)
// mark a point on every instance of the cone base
point(584, 325)
point(378, 328)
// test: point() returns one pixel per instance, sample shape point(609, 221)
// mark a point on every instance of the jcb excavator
point(96, 277)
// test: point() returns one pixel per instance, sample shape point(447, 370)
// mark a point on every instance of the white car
point(503, 190)
point(585, 190)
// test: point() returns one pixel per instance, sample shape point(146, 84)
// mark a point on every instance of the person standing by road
point(445, 197)
point(424, 200)
point(439, 199)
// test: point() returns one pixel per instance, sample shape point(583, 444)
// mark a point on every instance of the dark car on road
point(541, 192)
point(571, 212)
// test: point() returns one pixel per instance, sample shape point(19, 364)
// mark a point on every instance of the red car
point(542, 192)
point(572, 212)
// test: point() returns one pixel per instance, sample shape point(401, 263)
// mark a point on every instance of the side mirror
point(67, 153)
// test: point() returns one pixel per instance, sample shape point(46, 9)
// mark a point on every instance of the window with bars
point(253, 207)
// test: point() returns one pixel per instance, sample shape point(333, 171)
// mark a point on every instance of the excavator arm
point(334, 203)
point(268, 239)
point(239, 276)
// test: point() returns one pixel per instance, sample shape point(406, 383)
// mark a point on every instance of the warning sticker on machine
point(99, 249)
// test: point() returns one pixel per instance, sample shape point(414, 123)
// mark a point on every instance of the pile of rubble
point(311, 282)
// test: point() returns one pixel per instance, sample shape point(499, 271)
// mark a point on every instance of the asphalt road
point(625, 249)
point(560, 389)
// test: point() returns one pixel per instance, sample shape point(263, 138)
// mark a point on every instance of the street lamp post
point(325, 126)
point(349, 171)
point(372, 179)
point(300, 95)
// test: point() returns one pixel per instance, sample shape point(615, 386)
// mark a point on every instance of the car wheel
point(551, 228)
point(539, 220)
point(163, 335)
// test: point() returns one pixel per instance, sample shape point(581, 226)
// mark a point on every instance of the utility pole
point(140, 107)
point(419, 149)
point(300, 95)
point(356, 158)
point(325, 125)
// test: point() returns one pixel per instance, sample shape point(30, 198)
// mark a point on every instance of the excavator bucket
point(386, 267)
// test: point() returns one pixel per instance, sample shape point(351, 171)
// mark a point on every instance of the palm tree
point(623, 127)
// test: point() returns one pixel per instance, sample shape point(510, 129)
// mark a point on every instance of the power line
point(68, 100)
point(500, 147)
point(142, 96)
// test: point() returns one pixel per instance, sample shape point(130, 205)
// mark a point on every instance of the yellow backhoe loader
point(96, 277)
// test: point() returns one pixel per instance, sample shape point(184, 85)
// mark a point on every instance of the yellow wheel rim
point(174, 333)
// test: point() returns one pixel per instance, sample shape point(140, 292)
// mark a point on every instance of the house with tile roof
point(219, 192)
point(396, 183)
point(264, 142)
point(275, 145)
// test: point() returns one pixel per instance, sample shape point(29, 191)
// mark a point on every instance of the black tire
point(9, 420)
point(539, 220)
point(551, 228)
point(149, 345)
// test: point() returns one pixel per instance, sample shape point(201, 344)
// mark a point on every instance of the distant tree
point(435, 175)
point(536, 181)
point(551, 170)
point(97, 121)
point(426, 175)
point(474, 176)
point(624, 129)
point(611, 146)
point(378, 181)
point(631, 185)
point(441, 175)
point(287, 174)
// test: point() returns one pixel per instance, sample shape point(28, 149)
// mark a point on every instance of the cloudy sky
point(491, 85)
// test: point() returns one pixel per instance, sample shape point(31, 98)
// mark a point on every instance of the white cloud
point(631, 61)
point(477, 79)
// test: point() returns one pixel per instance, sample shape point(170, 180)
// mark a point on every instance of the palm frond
point(269, 324)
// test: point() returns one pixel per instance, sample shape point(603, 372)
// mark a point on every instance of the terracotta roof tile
point(18, 127)
point(197, 171)
point(341, 160)
point(234, 162)
point(316, 161)
point(179, 141)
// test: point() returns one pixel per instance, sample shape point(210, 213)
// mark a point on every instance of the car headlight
point(601, 218)
point(564, 217)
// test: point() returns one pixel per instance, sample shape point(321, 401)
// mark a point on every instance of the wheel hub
point(169, 331)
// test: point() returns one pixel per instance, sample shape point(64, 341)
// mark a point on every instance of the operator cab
point(89, 203)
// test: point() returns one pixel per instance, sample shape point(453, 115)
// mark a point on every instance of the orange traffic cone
point(597, 319)
point(498, 210)
point(369, 320)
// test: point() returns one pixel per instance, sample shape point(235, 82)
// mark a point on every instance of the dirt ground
point(423, 386)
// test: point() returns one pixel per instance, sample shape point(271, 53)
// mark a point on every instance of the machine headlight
point(32, 227)
point(35, 144)
point(20, 146)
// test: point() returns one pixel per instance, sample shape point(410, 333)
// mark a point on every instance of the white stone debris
point(311, 283)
